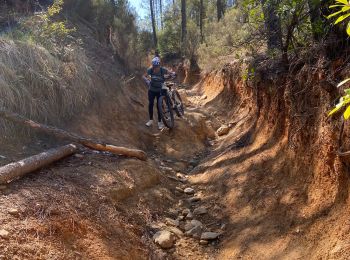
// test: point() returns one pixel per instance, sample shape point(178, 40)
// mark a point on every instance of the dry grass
point(39, 85)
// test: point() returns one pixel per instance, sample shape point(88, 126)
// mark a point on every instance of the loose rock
point(194, 199)
point(181, 177)
point(166, 169)
point(165, 239)
point(177, 232)
point(189, 191)
point(173, 212)
point(223, 130)
point(200, 211)
point(193, 223)
point(203, 242)
point(13, 211)
point(180, 218)
point(179, 189)
point(172, 222)
point(189, 216)
point(188, 226)
point(209, 235)
point(4, 234)
point(185, 212)
point(195, 232)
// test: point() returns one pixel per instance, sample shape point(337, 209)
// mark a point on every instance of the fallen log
point(90, 143)
point(18, 169)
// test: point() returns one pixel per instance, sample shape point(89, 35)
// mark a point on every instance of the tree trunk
point(183, 22)
point(315, 18)
point(18, 169)
point(155, 41)
point(289, 35)
point(161, 13)
point(272, 24)
point(174, 8)
point(219, 9)
point(201, 20)
point(90, 143)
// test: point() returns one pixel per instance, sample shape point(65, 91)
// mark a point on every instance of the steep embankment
point(93, 205)
point(282, 189)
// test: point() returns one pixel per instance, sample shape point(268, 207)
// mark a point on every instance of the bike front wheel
point(166, 111)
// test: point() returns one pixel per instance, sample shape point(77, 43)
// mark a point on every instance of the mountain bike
point(170, 101)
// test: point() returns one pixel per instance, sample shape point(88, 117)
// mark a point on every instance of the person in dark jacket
point(156, 78)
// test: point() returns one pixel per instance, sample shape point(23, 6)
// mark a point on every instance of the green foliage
point(225, 40)
point(169, 38)
point(51, 29)
point(342, 13)
point(193, 40)
point(344, 101)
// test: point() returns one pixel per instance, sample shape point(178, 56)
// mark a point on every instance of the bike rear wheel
point(166, 112)
point(178, 105)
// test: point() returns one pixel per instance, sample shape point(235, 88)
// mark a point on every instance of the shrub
point(227, 39)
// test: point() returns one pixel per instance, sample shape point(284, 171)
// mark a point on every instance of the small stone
point(200, 211)
point(188, 226)
point(179, 189)
point(181, 218)
point(177, 232)
point(181, 177)
point(223, 227)
point(185, 212)
point(158, 225)
point(189, 191)
point(4, 234)
point(209, 235)
point(172, 222)
point(13, 211)
point(173, 212)
point(194, 199)
point(189, 216)
point(223, 130)
point(196, 223)
point(194, 232)
point(203, 242)
point(167, 169)
point(79, 156)
point(165, 239)
point(181, 203)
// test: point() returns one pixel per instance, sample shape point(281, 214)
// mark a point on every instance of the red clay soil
point(274, 180)
point(283, 192)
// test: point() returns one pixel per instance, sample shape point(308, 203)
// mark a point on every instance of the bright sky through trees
point(138, 7)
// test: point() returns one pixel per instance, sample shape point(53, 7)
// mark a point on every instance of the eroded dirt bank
point(283, 190)
point(272, 186)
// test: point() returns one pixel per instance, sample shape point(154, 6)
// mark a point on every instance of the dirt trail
point(247, 190)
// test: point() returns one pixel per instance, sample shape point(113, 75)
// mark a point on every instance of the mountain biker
point(157, 75)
